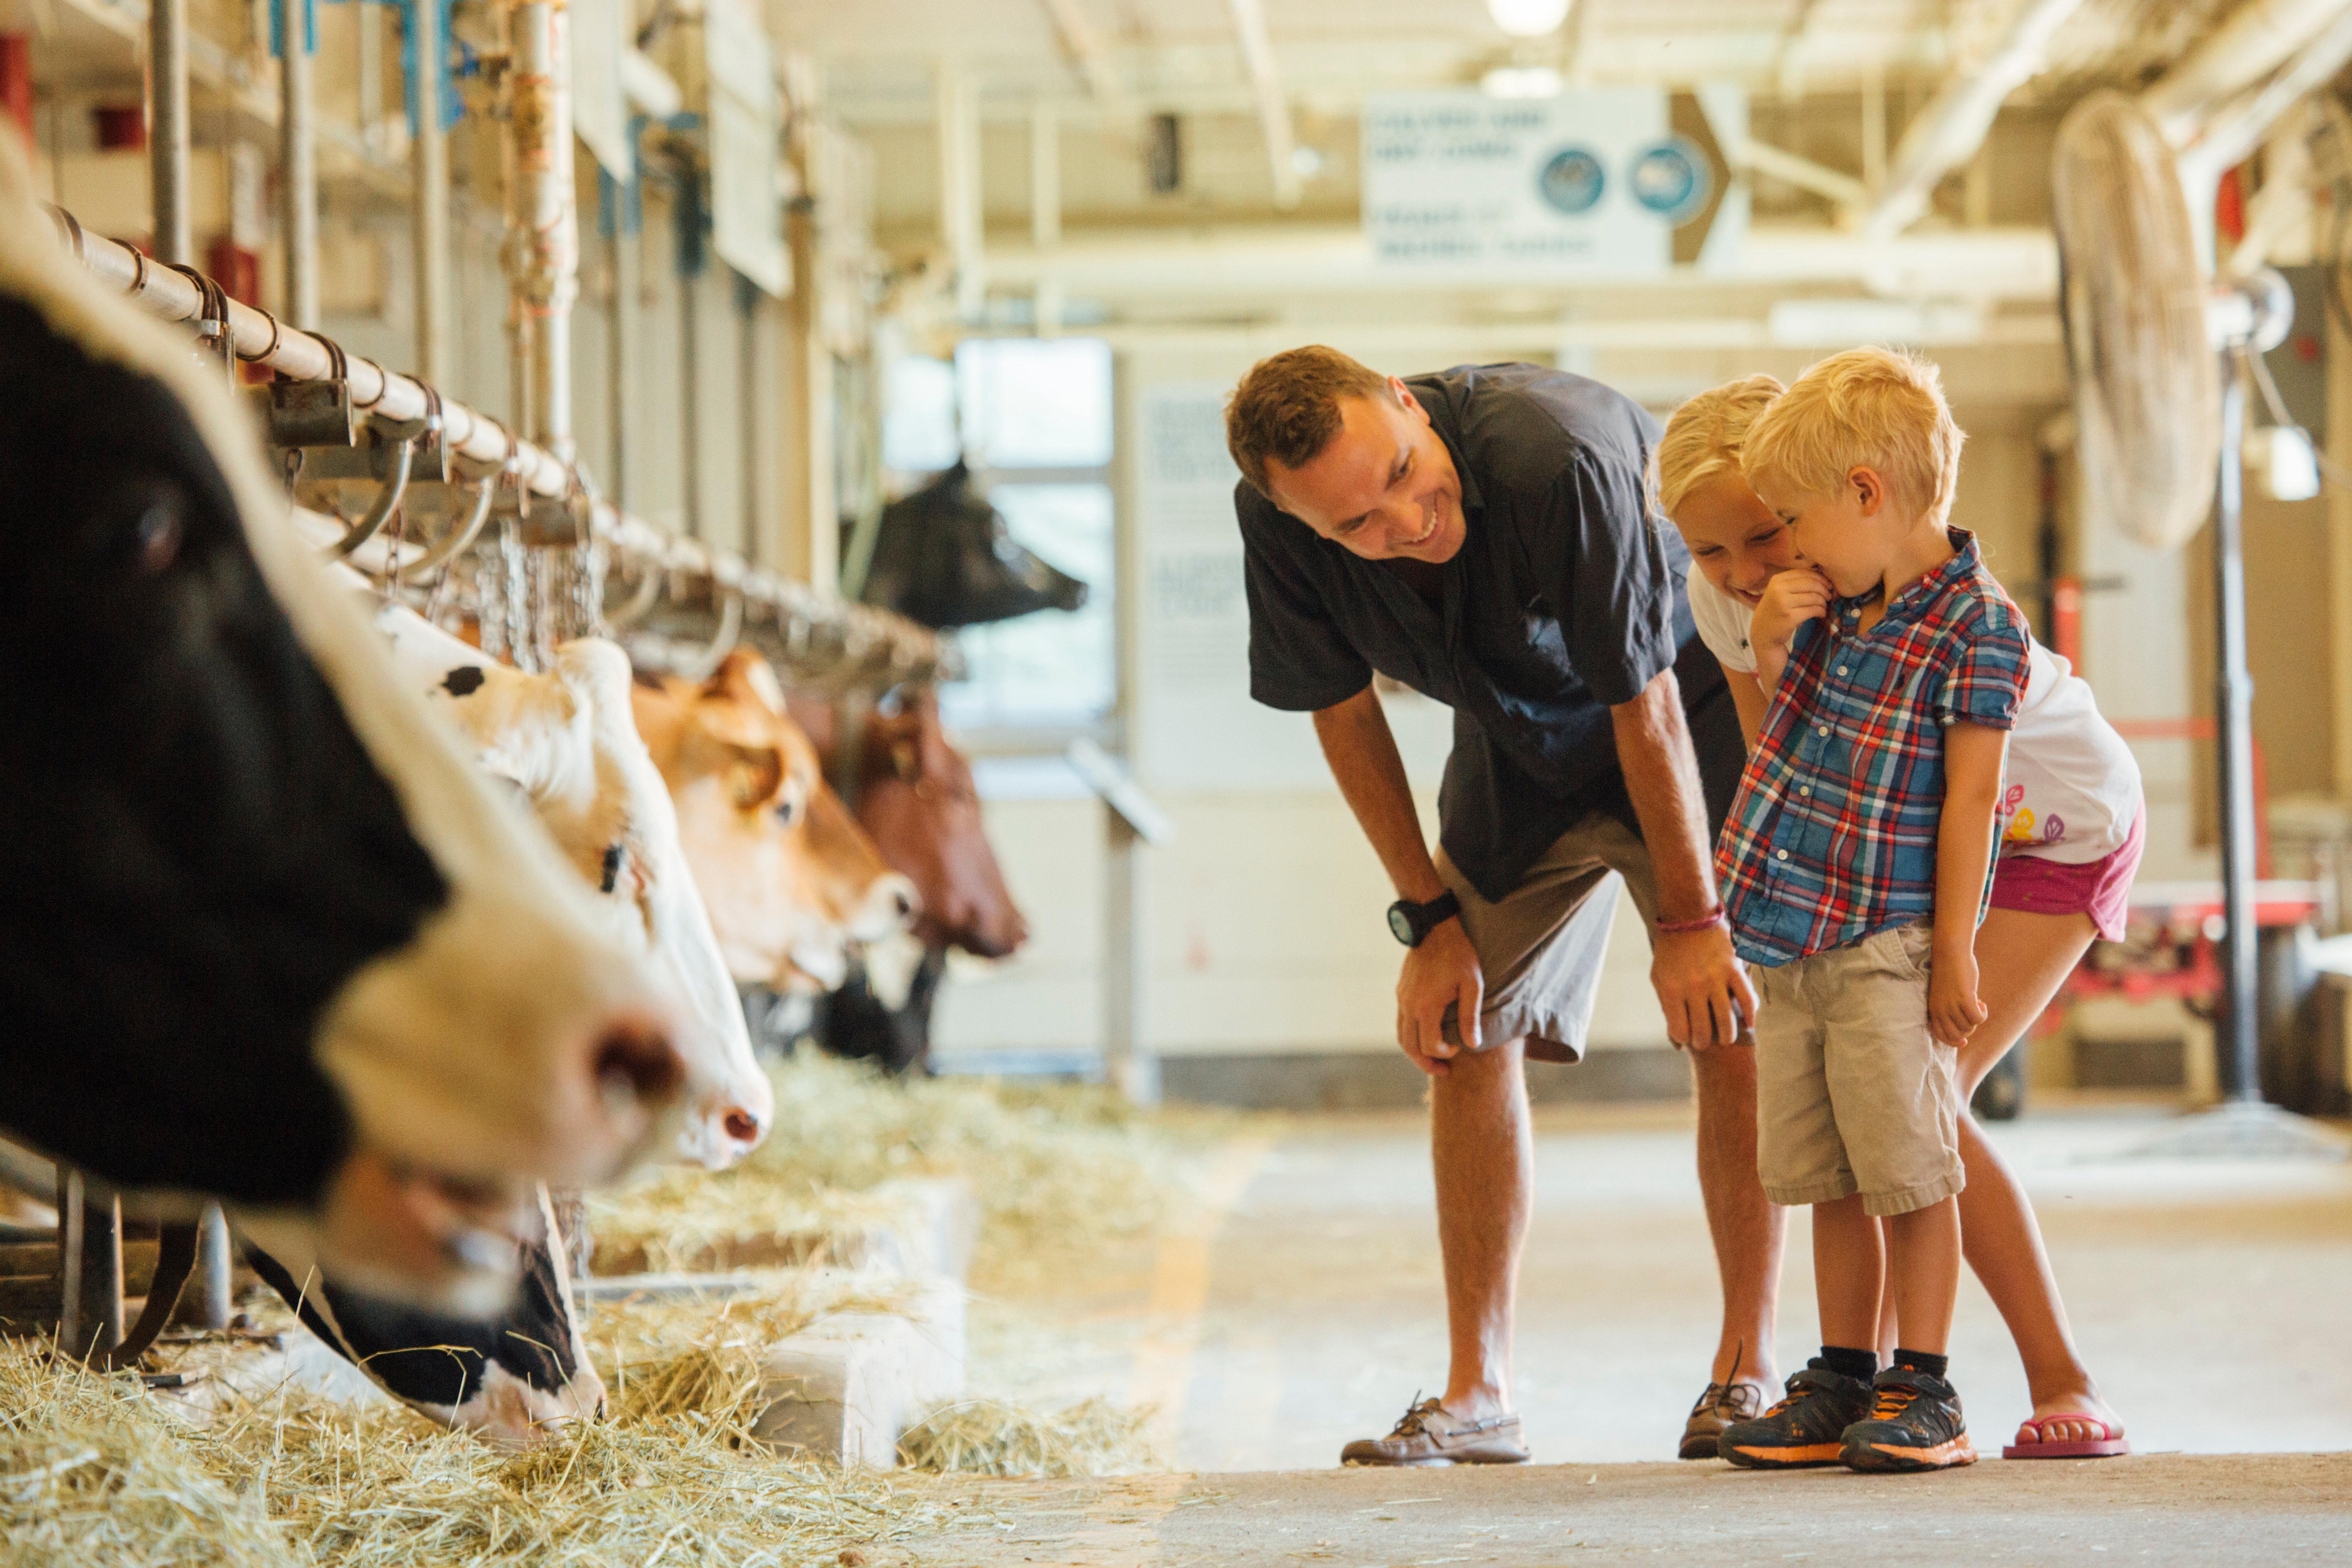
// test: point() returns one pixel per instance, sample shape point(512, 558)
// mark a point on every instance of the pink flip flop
point(2113, 1445)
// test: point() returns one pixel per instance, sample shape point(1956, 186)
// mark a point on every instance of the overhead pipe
point(1952, 128)
point(2258, 37)
point(875, 638)
point(298, 145)
point(2229, 135)
point(168, 135)
point(1265, 89)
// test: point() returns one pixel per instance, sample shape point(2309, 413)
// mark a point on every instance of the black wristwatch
point(1410, 924)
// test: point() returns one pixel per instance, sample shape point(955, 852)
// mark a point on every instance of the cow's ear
point(746, 676)
point(754, 774)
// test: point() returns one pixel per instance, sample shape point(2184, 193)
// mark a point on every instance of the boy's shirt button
point(1805, 789)
point(1821, 729)
point(1781, 854)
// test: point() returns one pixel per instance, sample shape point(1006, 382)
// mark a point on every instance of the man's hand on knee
point(1703, 987)
point(1442, 972)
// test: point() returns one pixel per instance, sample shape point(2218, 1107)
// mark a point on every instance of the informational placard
point(600, 109)
point(746, 124)
point(1595, 182)
point(1198, 728)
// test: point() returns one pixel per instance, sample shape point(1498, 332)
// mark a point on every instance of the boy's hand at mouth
point(1790, 600)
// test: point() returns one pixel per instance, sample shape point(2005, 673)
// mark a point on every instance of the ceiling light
point(1522, 82)
point(1528, 19)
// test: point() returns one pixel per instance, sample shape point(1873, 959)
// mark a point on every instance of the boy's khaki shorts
point(1853, 1094)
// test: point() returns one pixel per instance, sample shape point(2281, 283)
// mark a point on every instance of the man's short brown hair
point(1287, 409)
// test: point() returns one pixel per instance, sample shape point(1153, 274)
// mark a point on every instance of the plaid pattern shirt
point(1832, 835)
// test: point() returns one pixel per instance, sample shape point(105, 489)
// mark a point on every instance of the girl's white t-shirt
point(2073, 789)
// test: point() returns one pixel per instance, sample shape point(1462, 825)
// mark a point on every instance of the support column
point(297, 166)
point(89, 1266)
point(542, 249)
point(167, 136)
point(429, 194)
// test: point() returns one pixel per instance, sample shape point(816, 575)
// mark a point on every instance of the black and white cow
point(264, 932)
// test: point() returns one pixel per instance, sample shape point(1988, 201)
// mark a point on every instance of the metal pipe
point(168, 136)
point(628, 287)
point(298, 160)
point(960, 194)
point(2235, 1040)
point(429, 194)
point(1948, 133)
point(543, 211)
point(892, 642)
point(215, 1308)
point(1265, 89)
point(2256, 39)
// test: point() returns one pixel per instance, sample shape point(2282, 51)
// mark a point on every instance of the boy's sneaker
point(1807, 1427)
point(1914, 1424)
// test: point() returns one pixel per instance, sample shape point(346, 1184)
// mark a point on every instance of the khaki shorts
point(1540, 947)
point(1853, 1094)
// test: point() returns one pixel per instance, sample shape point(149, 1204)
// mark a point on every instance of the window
point(1034, 419)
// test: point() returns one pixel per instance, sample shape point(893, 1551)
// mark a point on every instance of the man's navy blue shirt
point(1566, 598)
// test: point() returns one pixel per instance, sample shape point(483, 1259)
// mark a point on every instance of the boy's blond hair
point(1706, 434)
point(1876, 408)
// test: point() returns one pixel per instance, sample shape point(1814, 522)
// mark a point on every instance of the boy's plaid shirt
point(1832, 835)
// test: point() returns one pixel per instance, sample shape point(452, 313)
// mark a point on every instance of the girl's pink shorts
point(2100, 889)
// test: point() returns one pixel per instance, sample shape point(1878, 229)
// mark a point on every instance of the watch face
point(1401, 924)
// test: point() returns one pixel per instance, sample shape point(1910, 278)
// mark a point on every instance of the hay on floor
point(96, 1471)
point(994, 1438)
point(1062, 1172)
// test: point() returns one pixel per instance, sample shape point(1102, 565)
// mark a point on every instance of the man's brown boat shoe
point(1719, 1407)
point(1431, 1435)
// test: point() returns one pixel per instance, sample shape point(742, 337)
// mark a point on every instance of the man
point(1485, 536)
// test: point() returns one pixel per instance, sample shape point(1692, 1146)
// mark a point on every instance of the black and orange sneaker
point(1807, 1427)
point(1915, 1424)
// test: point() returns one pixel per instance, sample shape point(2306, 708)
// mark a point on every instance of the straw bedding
point(1061, 1172)
point(95, 1471)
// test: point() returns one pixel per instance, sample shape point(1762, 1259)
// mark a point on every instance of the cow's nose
point(740, 1125)
point(636, 1064)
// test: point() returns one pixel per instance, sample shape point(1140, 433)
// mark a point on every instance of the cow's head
point(567, 739)
point(916, 798)
point(265, 933)
point(791, 877)
point(945, 557)
point(514, 1379)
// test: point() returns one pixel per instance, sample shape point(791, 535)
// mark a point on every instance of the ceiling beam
point(1950, 130)
point(1083, 46)
point(1265, 88)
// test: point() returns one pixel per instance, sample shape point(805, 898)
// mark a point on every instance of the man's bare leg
point(1748, 1230)
point(1484, 1149)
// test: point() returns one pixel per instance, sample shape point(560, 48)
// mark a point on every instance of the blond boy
point(1855, 868)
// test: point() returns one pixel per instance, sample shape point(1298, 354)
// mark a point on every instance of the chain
point(490, 590)
point(522, 646)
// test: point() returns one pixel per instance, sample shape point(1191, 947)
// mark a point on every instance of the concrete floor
point(2172, 1512)
point(2211, 1301)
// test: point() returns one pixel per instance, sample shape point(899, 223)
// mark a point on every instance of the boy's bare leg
point(1924, 1273)
point(1849, 1272)
point(1748, 1230)
point(1484, 1150)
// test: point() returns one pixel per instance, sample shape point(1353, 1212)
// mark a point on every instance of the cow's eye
point(788, 810)
point(614, 858)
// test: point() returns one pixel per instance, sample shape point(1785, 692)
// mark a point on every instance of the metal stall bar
point(299, 151)
point(886, 648)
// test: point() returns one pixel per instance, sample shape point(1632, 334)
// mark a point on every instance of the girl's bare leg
point(2022, 961)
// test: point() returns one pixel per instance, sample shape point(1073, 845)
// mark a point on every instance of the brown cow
point(915, 796)
point(790, 877)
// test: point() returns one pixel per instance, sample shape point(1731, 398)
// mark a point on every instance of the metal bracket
point(387, 456)
point(305, 415)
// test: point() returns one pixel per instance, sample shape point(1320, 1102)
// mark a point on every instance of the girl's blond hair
point(1879, 408)
point(1707, 436)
